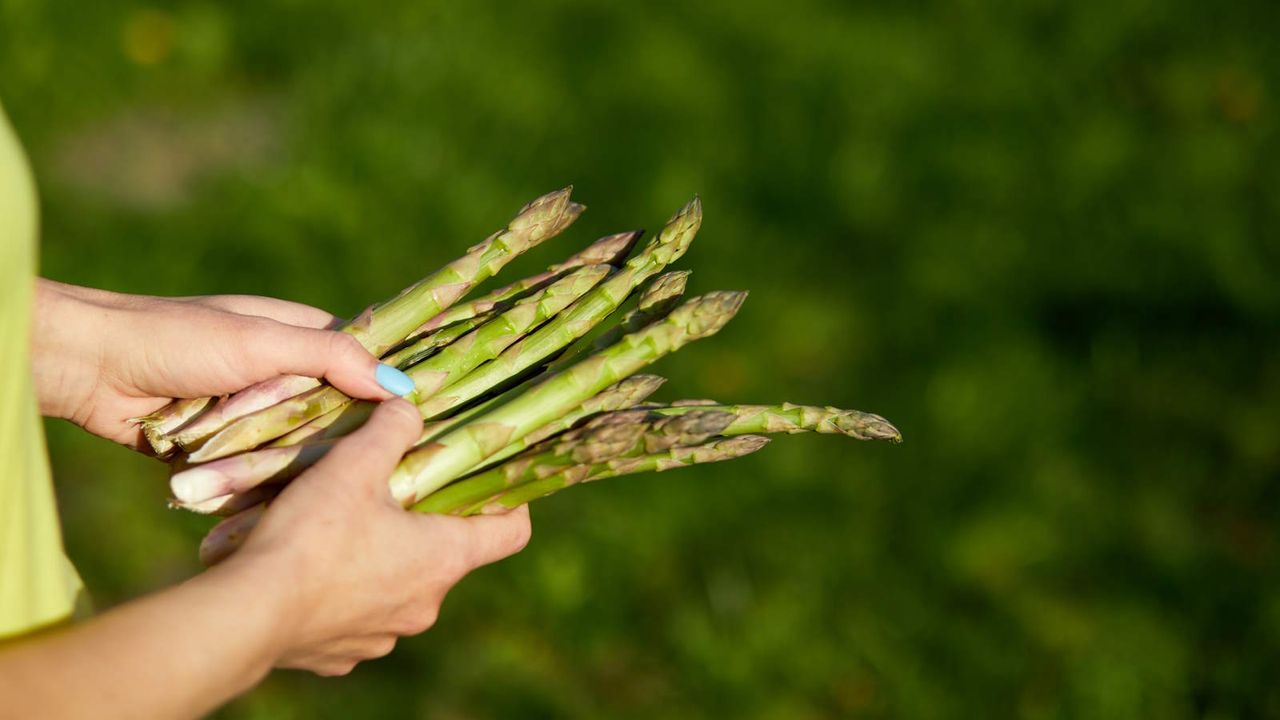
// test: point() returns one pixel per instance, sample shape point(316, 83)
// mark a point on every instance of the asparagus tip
point(874, 427)
point(550, 198)
point(667, 286)
point(706, 314)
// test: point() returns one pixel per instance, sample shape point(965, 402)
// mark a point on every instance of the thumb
point(335, 356)
point(371, 452)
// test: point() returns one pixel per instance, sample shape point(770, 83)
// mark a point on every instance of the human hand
point(356, 570)
point(102, 358)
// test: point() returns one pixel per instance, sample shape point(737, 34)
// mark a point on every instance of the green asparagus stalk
point(608, 250)
point(453, 361)
point(743, 419)
point(458, 320)
point(662, 294)
point(623, 394)
point(489, 340)
point(423, 347)
point(716, 450)
point(195, 487)
point(436, 464)
point(385, 325)
point(227, 536)
point(338, 423)
point(578, 319)
point(609, 436)
point(789, 418)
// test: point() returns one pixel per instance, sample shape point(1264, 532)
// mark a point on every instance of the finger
point(285, 311)
point(281, 349)
point(485, 539)
point(369, 454)
point(356, 648)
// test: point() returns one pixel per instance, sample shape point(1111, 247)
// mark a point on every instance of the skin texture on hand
point(102, 358)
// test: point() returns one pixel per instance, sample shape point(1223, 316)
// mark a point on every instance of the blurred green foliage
point(1039, 236)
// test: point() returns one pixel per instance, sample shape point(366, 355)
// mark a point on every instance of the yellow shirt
point(38, 586)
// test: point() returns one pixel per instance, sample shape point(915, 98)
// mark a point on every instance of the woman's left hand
point(102, 358)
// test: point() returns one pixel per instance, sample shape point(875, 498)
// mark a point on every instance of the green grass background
point(1039, 236)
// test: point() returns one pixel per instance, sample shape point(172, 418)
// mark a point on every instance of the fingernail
point(392, 380)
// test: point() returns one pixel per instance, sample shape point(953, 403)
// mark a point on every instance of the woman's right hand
point(354, 570)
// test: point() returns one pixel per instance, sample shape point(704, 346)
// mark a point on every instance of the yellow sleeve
point(38, 585)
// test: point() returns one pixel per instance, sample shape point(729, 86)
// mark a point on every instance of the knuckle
point(382, 647)
point(336, 669)
point(343, 345)
point(417, 619)
point(520, 533)
point(425, 618)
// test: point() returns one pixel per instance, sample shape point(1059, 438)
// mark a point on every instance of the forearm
point(178, 653)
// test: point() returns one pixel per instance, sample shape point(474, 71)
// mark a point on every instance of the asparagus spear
point(423, 346)
point(332, 424)
point(662, 294)
point(455, 360)
point(230, 534)
point(381, 327)
point(789, 418)
point(622, 394)
point(608, 250)
point(716, 450)
point(609, 436)
point(213, 483)
point(743, 419)
point(196, 486)
point(158, 424)
point(227, 536)
point(236, 474)
point(579, 318)
point(434, 465)
point(231, 503)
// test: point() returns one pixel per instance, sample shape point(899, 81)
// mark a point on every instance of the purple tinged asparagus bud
point(791, 418)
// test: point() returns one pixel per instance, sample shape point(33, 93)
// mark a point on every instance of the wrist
point(66, 349)
point(271, 605)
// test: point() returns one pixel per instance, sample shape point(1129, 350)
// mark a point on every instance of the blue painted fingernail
point(392, 380)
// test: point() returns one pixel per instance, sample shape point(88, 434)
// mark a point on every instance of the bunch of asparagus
point(518, 400)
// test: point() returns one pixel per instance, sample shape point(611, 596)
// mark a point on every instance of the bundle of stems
point(518, 400)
